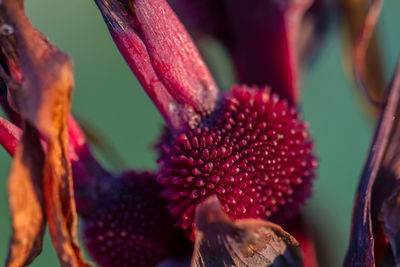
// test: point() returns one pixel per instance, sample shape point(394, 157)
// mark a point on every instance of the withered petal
point(26, 200)
point(373, 184)
point(386, 195)
point(43, 100)
point(248, 242)
point(367, 240)
point(364, 53)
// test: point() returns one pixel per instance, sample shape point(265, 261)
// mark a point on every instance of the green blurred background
point(108, 96)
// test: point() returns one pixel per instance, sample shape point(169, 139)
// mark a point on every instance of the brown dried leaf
point(250, 242)
point(26, 200)
point(43, 99)
point(388, 195)
point(376, 184)
point(353, 15)
point(58, 190)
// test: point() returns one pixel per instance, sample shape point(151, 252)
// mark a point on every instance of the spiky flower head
point(129, 226)
point(253, 153)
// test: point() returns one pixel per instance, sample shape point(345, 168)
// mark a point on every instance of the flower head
point(253, 152)
point(129, 225)
point(245, 146)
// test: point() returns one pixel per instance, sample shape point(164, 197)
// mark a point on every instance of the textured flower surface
point(129, 225)
point(253, 153)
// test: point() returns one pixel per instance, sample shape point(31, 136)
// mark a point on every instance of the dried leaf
point(369, 60)
point(58, 190)
point(387, 199)
point(26, 201)
point(250, 242)
point(373, 185)
point(43, 100)
point(368, 240)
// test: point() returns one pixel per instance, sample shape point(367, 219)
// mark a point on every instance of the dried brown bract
point(39, 79)
point(249, 242)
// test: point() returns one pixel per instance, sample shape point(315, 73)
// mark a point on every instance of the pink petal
point(9, 136)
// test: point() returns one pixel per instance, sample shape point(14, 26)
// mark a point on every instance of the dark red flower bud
point(266, 39)
point(163, 57)
point(253, 152)
point(129, 226)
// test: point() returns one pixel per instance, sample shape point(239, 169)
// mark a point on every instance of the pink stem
point(9, 136)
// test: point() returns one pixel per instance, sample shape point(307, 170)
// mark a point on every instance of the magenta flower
point(245, 155)
point(247, 147)
point(253, 153)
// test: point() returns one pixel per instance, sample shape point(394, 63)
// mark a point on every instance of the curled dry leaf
point(26, 200)
point(43, 100)
point(249, 242)
point(367, 244)
point(363, 52)
point(372, 241)
point(388, 195)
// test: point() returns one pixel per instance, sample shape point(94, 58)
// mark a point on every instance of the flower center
point(253, 153)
